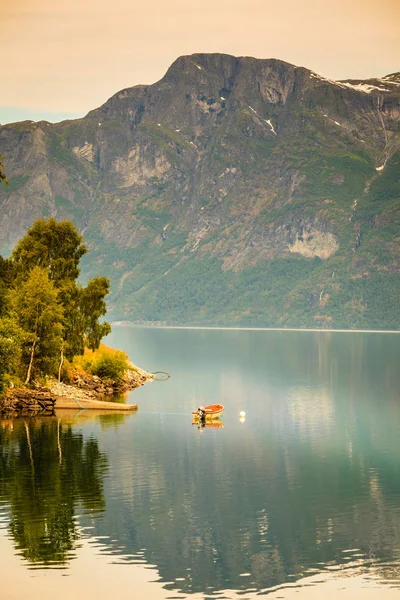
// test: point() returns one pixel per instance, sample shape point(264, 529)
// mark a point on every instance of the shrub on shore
point(105, 362)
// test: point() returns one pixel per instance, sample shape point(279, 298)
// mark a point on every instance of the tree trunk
point(61, 363)
point(28, 375)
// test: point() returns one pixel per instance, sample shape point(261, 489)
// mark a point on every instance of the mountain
point(234, 191)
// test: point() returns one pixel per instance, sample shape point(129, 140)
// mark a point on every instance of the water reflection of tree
point(46, 470)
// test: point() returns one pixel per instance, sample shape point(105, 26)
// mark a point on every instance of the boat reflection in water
point(209, 424)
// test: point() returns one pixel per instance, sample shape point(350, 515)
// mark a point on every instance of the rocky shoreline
point(95, 387)
point(85, 391)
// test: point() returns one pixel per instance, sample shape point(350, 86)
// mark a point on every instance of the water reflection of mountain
point(47, 470)
point(314, 475)
point(261, 504)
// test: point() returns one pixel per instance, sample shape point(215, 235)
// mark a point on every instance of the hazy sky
point(61, 58)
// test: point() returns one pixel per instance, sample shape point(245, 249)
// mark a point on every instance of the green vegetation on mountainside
point(246, 192)
point(355, 288)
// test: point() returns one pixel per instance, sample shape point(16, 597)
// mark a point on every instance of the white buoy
point(242, 414)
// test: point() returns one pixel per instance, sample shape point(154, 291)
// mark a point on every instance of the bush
point(105, 362)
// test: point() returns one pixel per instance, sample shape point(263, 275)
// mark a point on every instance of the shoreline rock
point(96, 388)
point(28, 401)
point(87, 391)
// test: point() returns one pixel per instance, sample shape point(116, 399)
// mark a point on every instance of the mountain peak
point(224, 64)
point(193, 64)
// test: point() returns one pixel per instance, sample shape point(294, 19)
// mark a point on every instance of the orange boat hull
point(212, 411)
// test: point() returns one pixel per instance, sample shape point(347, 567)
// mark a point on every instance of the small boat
point(207, 413)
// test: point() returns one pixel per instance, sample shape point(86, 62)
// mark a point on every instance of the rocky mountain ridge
point(233, 191)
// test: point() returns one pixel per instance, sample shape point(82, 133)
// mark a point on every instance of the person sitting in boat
point(201, 411)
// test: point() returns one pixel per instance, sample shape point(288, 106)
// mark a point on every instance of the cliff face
point(233, 191)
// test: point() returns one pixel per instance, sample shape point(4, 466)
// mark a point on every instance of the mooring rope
point(161, 414)
point(79, 404)
point(160, 373)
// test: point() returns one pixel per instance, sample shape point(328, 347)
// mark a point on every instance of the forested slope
point(235, 191)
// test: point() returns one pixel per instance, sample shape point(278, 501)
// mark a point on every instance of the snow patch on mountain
point(365, 87)
point(272, 127)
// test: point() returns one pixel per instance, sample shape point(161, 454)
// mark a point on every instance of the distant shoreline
point(314, 330)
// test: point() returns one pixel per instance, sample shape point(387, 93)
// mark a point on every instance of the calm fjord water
point(300, 500)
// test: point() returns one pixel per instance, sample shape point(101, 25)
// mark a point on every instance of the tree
point(6, 278)
point(93, 307)
point(10, 333)
point(83, 307)
point(57, 247)
point(3, 298)
point(10, 349)
point(52, 245)
point(40, 315)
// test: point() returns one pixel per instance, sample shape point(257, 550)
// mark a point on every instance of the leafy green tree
point(52, 245)
point(93, 307)
point(10, 332)
point(5, 282)
point(40, 315)
point(83, 307)
point(3, 298)
point(10, 348)
point(57, 247)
